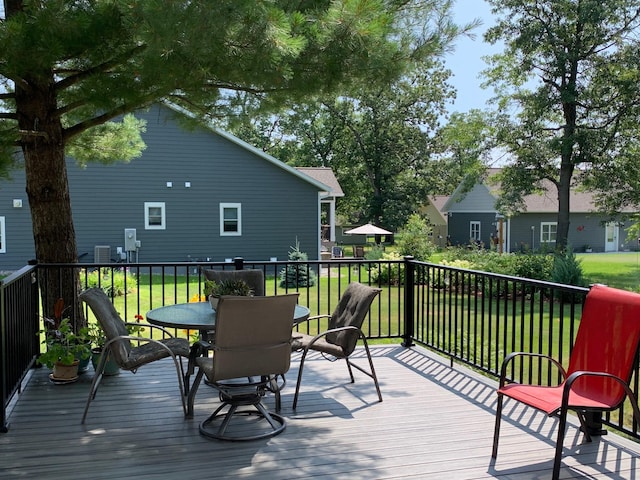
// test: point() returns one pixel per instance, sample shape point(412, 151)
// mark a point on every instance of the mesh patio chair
point(120, 348)
point(600, 367)
point(251, 351)
point(344, 330)
point(253, 277)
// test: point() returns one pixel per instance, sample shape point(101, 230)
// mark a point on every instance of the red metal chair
point(600, 366)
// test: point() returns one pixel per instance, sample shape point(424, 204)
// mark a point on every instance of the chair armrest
point(150, 327)
point(308, 319)
point(583, 373)
point(107, 346)
point(315, 317)
point(198, 349)
point(512, 356)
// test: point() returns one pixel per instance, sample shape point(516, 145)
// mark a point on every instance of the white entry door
point(611, 237)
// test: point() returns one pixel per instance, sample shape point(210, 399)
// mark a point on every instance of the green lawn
point(620, 270)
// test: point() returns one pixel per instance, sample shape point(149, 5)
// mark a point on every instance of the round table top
point(198, 316)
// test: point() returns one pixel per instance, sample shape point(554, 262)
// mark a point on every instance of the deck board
point(436, 422)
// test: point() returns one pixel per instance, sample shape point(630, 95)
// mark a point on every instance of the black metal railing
point(19, 324)
point(472, 317)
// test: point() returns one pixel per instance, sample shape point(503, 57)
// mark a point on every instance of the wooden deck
point(435, 423)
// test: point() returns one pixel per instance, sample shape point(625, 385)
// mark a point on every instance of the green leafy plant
point(114, 283)
point(64, 346)
point(414, 238)
point(235, 287)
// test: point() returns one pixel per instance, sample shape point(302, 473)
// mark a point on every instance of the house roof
point(544, 202)
point(439, 202)
point(256, 151)
point(326, 176)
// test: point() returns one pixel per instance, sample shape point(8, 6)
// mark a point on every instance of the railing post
point(409, 298)
point(238, 262)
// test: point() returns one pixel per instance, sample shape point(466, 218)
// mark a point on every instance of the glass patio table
point(199, 316)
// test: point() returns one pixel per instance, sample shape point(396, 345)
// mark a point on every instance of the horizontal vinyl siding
point(18, 233)
point(277, 207)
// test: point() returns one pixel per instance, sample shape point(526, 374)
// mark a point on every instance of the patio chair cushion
point(149, 352)
point(302, 340)
point(110, 322)
point(351, 311)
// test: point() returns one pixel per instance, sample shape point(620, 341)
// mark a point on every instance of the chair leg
point(95, 382)
point(295, 397)
point(372, 371)
point(496, 430)
point(562, 426)
point(192, 393)
point(182, 377)
point(353, 380)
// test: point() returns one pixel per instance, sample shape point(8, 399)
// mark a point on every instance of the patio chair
point(344, 330)
point(600, 367)
point(253, 277)
point(119, 345)
point(251, 351)
point(337, 252)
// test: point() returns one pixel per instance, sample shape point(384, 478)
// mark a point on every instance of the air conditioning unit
point(102, 254)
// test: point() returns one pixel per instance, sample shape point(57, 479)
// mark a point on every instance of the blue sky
point(466, 62)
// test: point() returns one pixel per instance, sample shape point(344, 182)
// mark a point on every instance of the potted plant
point(65, 348)
point(214, 290)
point(98, 339)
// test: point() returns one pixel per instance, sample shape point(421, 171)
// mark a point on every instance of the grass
point(620, 270)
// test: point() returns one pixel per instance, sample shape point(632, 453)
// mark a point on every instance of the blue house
point(192, 195)
point(473, 217)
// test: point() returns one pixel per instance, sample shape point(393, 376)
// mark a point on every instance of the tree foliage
point(381, 140)
point(568, 91)
point(71, 66)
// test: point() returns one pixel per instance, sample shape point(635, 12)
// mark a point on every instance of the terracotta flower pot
point(64, 372)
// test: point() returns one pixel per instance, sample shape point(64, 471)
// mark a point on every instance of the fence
point(19, 323)
point(472, 317)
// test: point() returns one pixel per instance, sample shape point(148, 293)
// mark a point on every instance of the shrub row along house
point(194, 194)
point(472, 217)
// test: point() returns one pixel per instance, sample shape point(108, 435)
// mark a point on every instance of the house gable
point(189, 173)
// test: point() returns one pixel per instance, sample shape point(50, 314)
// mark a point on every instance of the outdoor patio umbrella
point(368, 229)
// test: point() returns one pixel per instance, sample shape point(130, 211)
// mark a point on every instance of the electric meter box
point(130, 239)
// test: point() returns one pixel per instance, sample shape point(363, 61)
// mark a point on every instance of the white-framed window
point(474, 230)
point(548, 231)
point(230, 219)
point(3, 242)
point(154, 216)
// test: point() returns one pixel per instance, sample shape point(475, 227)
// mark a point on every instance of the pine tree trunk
point(43, 148)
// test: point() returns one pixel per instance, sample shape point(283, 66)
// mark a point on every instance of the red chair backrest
point(607, 341)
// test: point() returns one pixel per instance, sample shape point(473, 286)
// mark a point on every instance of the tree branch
point(106, 116)
point(100, 68)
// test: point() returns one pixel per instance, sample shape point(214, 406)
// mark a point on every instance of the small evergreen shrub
point(567, 269)
point(299, 274)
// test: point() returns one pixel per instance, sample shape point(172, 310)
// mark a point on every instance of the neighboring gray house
point(473, 217)
point(433, 210)
point(192, 195)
